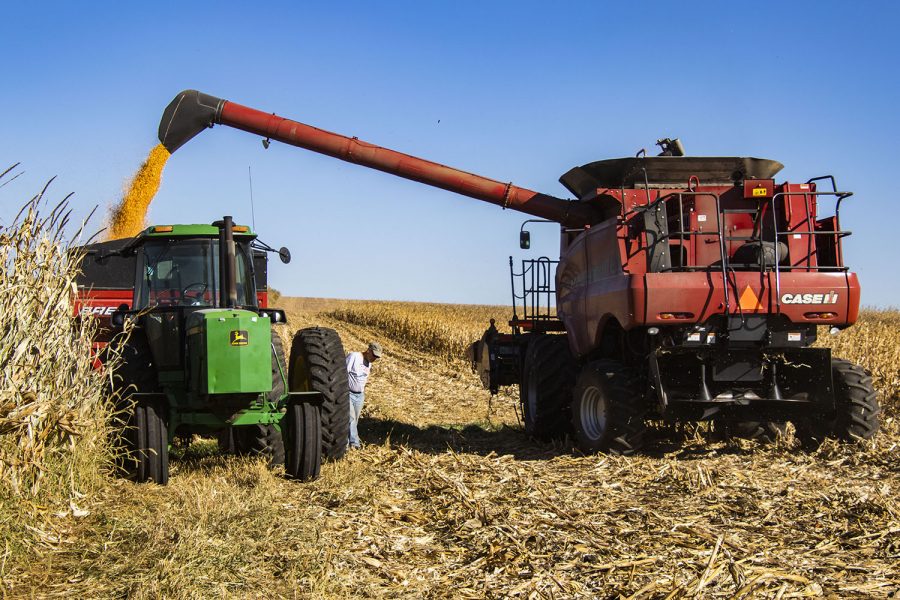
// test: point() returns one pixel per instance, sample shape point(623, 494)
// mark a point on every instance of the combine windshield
point(186, 273)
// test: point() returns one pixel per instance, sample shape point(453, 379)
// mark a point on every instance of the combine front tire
point(302, 433)
point(546, 387)
point(608, 409)
point(318, 364)
point(147, 442)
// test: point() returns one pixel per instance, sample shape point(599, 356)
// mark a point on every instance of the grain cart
point(687, 288)
point(204, 356)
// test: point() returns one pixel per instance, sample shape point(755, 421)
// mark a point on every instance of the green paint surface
point(230, 352)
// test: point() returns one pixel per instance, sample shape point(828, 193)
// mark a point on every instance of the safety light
point(820, 315)
point(240, 229)
point(676, 315)
point(161, 229)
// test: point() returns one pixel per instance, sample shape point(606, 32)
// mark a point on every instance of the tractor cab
point(194, 290)
point(178, 266)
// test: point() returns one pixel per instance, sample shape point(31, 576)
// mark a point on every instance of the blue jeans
point(356, 405)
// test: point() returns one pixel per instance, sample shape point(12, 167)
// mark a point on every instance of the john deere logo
point(239, 337)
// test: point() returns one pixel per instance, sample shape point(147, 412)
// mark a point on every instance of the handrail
point(536, 281)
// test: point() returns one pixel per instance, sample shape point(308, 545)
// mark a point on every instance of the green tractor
point(204, 356)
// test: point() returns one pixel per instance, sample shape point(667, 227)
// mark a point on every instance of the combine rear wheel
point(856, 408)
point(318, 364)
point(545, 391)
point(608, 409)
point(302, 434)
point(147, 441)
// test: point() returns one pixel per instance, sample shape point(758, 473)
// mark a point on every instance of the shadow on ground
point(473, 438)
point(468, 438)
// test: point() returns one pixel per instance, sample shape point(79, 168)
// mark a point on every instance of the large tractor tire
point(546, 388)
point(261, 440)
point(608, 409)
point(856, 408)
point(302, 433)
point(147, 441)
point(318, 364)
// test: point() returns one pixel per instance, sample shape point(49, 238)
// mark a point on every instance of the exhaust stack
point(190, 112)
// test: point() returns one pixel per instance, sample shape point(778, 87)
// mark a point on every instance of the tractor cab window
point(186, 273)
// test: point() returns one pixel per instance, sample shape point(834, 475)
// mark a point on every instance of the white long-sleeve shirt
point(357, 371)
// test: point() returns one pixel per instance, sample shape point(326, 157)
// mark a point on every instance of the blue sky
point(517, 91)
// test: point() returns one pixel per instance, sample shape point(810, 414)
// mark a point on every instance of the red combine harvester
point(687, 288)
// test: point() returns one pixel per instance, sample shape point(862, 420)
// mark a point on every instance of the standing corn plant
point(54, 406)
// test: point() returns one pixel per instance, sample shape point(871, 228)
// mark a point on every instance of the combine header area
point(687, 288)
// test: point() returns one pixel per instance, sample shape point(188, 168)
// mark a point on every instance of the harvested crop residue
point(449, 499)
point(127, 217)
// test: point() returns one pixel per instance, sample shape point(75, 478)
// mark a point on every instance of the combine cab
point(687, 288)
point(204, 355)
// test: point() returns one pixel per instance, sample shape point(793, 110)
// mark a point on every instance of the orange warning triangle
point(749, 300)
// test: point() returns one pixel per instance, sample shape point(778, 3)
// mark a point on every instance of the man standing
point(358, 366)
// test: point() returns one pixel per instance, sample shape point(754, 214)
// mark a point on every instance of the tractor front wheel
point(318, 364)
point(147, 442)
point(302, 434)
point(608, 409)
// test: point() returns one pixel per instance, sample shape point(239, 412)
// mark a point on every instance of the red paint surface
point(404, 165)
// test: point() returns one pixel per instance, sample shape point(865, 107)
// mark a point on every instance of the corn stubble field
point(448, 499)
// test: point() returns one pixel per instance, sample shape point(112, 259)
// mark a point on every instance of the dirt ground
point(448, 499)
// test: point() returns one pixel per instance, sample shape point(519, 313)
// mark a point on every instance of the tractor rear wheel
point(608, 409)
point(856, 408)
point(546, 387)
point(318, 364)
point(302, 433)
point(147, 441)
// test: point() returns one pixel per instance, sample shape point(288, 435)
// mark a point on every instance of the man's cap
point(375, 349)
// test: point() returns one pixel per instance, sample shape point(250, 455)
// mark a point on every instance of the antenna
point(252, 212)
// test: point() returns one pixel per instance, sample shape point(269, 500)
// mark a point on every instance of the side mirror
point(284, 254)
point(117, 319)
point(524, 240)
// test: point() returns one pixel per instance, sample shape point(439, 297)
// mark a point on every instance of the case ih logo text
point(239, 337)
point(829, 298)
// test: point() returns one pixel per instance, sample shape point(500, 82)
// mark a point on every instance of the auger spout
point(191, 111)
